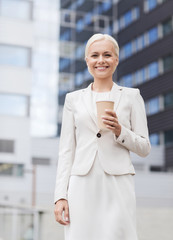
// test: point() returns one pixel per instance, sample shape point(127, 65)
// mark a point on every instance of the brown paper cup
point(101, 106)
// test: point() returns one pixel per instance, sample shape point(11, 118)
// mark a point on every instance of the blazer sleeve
point(136, 139)
point(66, 151)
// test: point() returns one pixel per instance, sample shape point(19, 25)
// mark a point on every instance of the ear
point(86, 59)
point(117, 60)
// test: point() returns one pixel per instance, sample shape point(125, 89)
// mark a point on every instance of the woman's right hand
point(60, 206)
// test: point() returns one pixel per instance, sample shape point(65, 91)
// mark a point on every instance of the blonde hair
point(100, 36)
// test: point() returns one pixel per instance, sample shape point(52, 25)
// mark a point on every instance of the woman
point(94, 193)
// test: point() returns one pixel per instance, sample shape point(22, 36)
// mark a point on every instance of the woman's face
point(101, 59)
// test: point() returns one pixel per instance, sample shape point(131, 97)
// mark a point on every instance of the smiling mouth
point(101, 68)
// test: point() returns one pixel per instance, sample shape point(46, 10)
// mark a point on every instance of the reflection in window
point(168, 137)
point(140, 76)
point(168, 63)
point(152, 35)
point(127, 18)
point(152, 106)
point(150, 4)
point(16, 105)
point(167, 27)
point(16, 9)
point(140, 43)
point(10, 169)
point(128, 50)
point(168, 100)
point(153, 70)
point(127, 80)
point(155, 139)
point(13, 55)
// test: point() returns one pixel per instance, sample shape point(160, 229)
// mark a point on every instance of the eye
point(107, 55)
point(94, 55)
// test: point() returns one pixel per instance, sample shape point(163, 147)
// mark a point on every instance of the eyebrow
point(104, 52)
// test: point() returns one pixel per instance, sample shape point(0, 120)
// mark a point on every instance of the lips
point(101, 67)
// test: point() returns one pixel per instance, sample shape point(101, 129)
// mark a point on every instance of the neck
point(102, 85)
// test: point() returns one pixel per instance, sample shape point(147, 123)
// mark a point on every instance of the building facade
point(144, 30)
point(28, 99)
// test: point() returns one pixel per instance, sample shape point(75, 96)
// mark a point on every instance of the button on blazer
point(79, 141)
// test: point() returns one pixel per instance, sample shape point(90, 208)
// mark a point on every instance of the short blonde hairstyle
point(100, 36)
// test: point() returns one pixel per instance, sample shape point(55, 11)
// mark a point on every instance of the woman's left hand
point(111, 122)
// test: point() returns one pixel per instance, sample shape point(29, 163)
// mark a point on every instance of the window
point(127, 18)
point(16, 9)
point(128, 50)
point(64, 63)
point(152, 106)
point(65, 36)
point(16, 56)
point(140, 76)
point(40, 161)
point(152, 35)
point(153, 70)
point(168, 63)
point(168, 100)
point(80, 25)
point(167, 27)
point(128, 80)
point(140, 43)
point(168, 137)
point(10, 169)
point(150, 4)
point(155, 139)
point(16, 105)
point(79, 79)
point(6, 146)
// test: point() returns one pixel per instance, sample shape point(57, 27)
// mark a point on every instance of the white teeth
point(101, 67)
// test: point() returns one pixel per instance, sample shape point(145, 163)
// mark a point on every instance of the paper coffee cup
point(101, 106)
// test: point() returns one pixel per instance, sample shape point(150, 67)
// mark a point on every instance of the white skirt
point(101, 206)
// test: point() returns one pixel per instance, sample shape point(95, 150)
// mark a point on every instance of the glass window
point(153, 106)
point(152, 35)
point(153, 70)
point(155, 139)
point(88, 18)
point(13, 55)
point(167, 27)
point(23, 9)
point(106, 6)
point(16, 105)
point(63, 63)
point(80, 25)
point(168, 63)
point(128, 50)
point(136, 13)
point(6, 146)
point(9, 169)
point(140, 43)
point(151, 4)
point(140, 76)
point(127, 80)
point(128, 18)
point(169, 137)
point(168, 100)
point(79, 79)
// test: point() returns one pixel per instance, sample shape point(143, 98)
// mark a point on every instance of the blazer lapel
point(115, 95)
point(88, 101)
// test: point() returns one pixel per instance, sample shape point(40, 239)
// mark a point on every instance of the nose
point(101, 59)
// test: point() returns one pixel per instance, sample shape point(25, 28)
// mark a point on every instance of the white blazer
point(79, 142)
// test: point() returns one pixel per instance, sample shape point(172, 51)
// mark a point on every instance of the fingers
point(111, 112)
point(60, 207)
